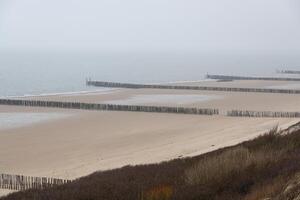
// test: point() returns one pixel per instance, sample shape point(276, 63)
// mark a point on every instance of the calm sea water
point(43, 72)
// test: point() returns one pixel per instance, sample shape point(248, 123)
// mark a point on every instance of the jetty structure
point(183, 87)
point(226, 77)
point(288, 71)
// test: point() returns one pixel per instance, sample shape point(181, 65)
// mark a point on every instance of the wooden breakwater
point(182, 87)
point(225, 77)
point(109, 107)
point(271, 114)
point(20, 182)
point(156, 109)
point(288, 72)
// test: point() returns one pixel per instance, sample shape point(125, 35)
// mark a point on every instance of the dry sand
point(4, 192)
point(88, 141)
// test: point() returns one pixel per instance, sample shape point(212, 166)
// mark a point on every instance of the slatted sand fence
point(109, 107)
point(182, 87)
point(21, 182)
point(225, 77)
point(258, 114)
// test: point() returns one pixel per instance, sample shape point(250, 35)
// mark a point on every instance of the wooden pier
point(181, 87)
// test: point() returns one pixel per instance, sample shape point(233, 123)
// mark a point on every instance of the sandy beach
point(91, 141)
point(74, 143)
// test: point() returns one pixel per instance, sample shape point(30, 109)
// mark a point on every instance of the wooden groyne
point(224, 77)
point(181, 87)
point(20, 182)
point(288, 72)
point(109, 107)
point(258, 114)
point(156, 109)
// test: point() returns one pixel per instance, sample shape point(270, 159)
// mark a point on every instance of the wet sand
point(204, 99)
point(245, 84)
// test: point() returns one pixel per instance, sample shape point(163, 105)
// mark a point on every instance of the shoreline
point(204, 82)
point(94, 91)
point(83, 92)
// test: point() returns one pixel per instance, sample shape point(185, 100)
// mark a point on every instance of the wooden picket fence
point(21, 182)
point(182, 87)
point(225, 77)
point(109, 107)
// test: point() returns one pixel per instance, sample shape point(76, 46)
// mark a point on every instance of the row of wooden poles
point(137, 108)
point(288, 72)
point(225, 77)
point(240, 113)
point(109, 107)
point(182, 87)
point(20, 182)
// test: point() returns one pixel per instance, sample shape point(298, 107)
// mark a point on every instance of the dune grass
point(228, 164)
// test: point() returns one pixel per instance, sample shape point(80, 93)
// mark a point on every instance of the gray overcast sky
point(196, 25)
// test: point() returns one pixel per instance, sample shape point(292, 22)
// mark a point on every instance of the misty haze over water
point(40, 73)
point(52, 46)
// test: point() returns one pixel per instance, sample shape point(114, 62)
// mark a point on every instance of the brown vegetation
point(264, 168)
